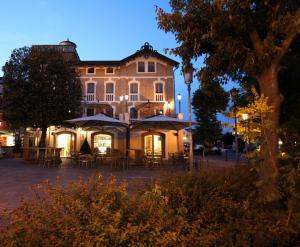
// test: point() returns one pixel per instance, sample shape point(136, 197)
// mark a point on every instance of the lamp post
point(188, 78)
point(245, 117)
point(169, 106)
point(234, 94)
point(179, 102)
point(125, 98)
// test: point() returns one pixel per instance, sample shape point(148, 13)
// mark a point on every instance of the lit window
point(91, 70)
point(109, 70)
point(151, 67)
point(141, 67)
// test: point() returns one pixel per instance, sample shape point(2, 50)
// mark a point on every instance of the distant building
point(6, 136)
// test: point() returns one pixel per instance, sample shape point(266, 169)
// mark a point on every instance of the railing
point(109, 97)
point(90, 97)
point(133, 97)
point(159, 97)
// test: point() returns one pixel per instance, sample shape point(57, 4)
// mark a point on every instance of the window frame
point(106, 73)
point(133, 94)
point(88, 73)
point(106, 95)
point(146, 66)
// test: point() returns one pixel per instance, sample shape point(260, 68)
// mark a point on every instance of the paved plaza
point(17, 176)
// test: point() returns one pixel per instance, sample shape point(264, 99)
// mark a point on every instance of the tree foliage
point(207, 102)
point(237, 38)
point(41, 88)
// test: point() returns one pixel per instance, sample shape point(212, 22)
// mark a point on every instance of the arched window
point(109, 91)
point(133, 113)
point(134, 91)
point(90, 91)
point(159, 91)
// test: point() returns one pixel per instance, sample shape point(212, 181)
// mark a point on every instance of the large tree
point(41, 88)
point(238, 38)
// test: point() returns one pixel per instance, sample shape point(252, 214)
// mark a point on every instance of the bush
point(85, 147)
point(206, 209)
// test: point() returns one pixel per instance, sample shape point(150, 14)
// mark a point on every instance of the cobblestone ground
point(17, 176)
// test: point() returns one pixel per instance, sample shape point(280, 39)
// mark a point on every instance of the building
point(7, 138)
point(136, 87)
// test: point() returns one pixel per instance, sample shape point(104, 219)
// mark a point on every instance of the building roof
point(146, 51)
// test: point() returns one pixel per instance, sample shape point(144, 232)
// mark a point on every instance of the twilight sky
point(102, 30)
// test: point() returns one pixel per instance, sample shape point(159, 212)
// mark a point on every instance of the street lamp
point(179, 102)
point(188, 78)
point(124, 98)
point(168, 106)
point(245, 117)
point(234, 93)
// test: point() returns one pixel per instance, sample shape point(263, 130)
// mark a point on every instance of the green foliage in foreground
point(207, 209)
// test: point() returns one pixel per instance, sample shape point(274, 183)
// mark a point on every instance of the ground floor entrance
point(103, 142)
point(154, 144)
point(66, 141)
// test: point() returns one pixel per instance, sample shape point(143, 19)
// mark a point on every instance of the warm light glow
point(245, 116)
point(179, 96)
point(121, 98)
point(169, 105)
point(280, 142)
point(126, 97)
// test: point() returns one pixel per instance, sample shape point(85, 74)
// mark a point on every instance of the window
point(91, 70)
point(159, 91)
point(109, 112)
point(141, 67)
point(109, 90)
point(158, 88)
point(90, 111)
point(151, 67)
point(148, 66)
point(90, 92)
point(102, 142)
point(133, 113)
point(134, 91)
point(109, 70)
point(91, 87)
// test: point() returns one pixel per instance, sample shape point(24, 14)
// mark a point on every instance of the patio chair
point(86, 160)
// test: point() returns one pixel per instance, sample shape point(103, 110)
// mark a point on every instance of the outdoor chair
point(86, 160)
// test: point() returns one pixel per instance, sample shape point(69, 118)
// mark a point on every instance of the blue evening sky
point(102, 30)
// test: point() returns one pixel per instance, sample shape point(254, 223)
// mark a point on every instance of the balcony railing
point(109, 97)
point(134, 97)
point(90, 97)
point(159, 97)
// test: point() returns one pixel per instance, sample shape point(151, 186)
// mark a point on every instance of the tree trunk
point(42, 143)
point(268, 82)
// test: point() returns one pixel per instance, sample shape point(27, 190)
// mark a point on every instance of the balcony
point(159, 97)
point(90, 97)
point(109, 97)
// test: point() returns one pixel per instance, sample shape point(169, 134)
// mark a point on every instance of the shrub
point(85, 147)
point(206, 209)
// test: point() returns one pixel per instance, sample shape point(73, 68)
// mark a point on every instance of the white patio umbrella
point(99, 120)
point(96, 120)
point(161, 122)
